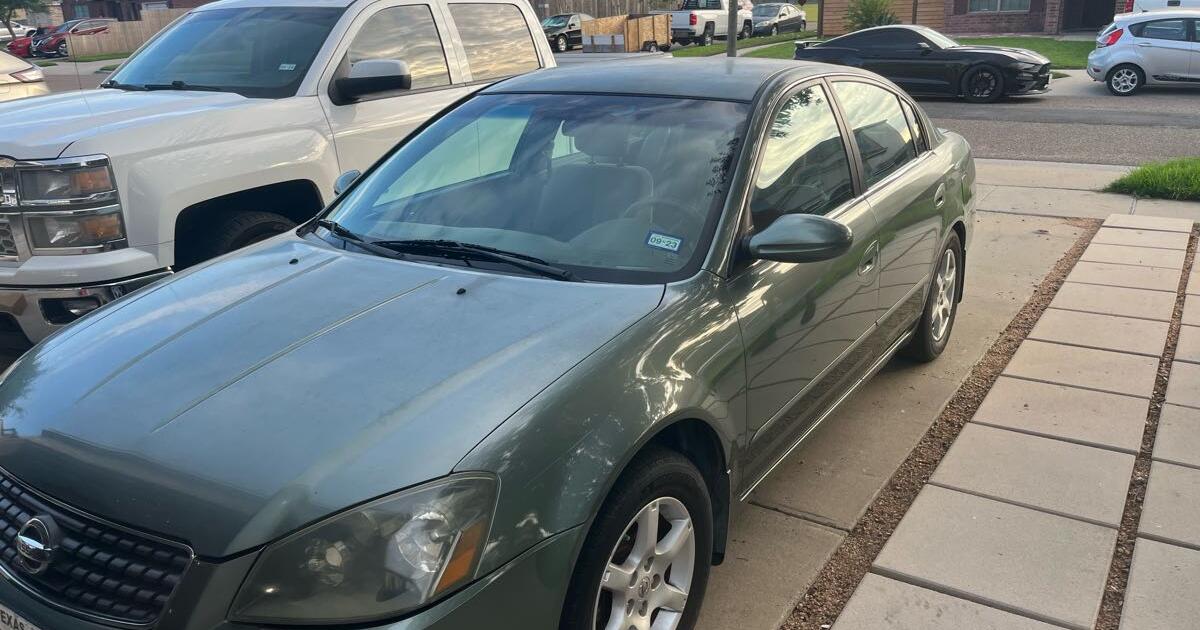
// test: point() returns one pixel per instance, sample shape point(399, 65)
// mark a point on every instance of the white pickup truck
point(701, 21)
point(231, 125)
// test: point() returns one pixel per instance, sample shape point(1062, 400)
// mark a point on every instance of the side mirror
point(924, 48)
point(373, 76)
point(344, 181)
point(800, 238)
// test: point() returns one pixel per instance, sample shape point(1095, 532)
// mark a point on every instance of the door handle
point(939, 197)
point(1144, 44)
point(869, 260)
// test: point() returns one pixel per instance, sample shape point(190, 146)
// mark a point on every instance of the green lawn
point(719, 48)
point(1175, 179)
point(45, 64)
point(1062, 55)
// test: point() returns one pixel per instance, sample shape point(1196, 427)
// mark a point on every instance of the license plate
point(10, 620)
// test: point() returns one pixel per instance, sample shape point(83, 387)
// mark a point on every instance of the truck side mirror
point(372, 76)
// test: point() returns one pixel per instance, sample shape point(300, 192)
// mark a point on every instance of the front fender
point(559, 456)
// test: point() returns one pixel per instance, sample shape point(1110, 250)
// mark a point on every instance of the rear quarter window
point(496, 39)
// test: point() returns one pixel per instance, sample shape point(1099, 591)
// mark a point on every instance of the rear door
point(1165, 47)
point(905, 185)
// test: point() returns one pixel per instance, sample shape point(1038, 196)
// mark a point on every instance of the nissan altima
point(515, 376)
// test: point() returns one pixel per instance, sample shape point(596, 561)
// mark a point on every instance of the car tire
point(804, 25)
point(239, 229)
point(983, 84)
point(560, 44)
point(706, 39)
point(62, 50)
point(774, 30)
point(747, 31)
point(1125, 80)
point(933, 330)
point(660, 486)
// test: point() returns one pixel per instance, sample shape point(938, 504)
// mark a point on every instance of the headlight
point(31, 75)
point(83, 228)
point(375, 561)
point(61, 185)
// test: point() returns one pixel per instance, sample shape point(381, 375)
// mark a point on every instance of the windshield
point(766, 10)
point(556, 21)
point(260, 52)
point(611, 188)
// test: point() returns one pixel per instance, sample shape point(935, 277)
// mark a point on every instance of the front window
point(556, 21)
point(880, 129)
point(260, 52)
point(766, 10)
point(941, 41)
point(1007, 6)
point(611, 188)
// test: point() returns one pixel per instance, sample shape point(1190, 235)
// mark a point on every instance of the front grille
point(96, 569)
point(8, 242)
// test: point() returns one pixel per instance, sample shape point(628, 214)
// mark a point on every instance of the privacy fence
point(123, 37)
point(602, 8)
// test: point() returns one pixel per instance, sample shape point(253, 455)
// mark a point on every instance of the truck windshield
point(610, 188)
point(258, 52)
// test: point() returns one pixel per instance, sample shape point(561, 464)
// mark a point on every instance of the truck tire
point(239, 229)
point(706, 39)
point(747, 31)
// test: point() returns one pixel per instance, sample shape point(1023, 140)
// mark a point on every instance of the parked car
point(20, 79)
point(17, 29)
point(701, 21)
point(485, 407)
point(1153, 48)
point(926, 62)
point(23, 46)
point(565, 31)
point(778, 17)
point(207, 140)
point(57, 43)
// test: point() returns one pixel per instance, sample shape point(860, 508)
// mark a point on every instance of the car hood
point(1016, 54)
point(240, 401)
point(43, 127)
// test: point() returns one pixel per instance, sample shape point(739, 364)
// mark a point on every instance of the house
point(987, 16)
point(123, 10)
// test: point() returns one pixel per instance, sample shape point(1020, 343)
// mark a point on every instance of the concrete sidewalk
point(1017, 526)
point(1064, 190)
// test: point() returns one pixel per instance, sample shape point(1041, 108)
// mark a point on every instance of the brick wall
point(958, 20)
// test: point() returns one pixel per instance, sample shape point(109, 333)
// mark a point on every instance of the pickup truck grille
point(8, 241)
point(95, 569)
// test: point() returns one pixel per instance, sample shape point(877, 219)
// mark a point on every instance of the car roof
point(1156, 14)
point(714, 78)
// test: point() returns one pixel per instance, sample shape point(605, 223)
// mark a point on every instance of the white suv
point(230, 126)
point(1150, 48)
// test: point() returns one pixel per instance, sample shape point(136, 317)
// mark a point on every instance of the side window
point(496, 39)
point(884, 140)
point(804, 168)
point(407, 34)
point(914, 123)
point(1174, 30)
point(901, 38)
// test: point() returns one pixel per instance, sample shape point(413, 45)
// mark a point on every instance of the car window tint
point(1174, 30)
point(914, 122)
point(496, 39)
point(406, 34)
point(884, 140)
point(804, 168)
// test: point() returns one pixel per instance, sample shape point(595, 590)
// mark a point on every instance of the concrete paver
point(903, 606)
point(1048, 567)
point(1051, 475)
point(1114, 372)
point(1188, 210)
point(1183, 388)
point(1178, 438)
point(1127, 255)
point(1026, 173)
point(1054, 202)
point(1163, 583)
point(1171, 511)
point(1130, 276)
point(1150, 222)
point(1068, 413)
point(1193, 285)
point(1106, 332)
point(1115, 301)
point(1142, 238)
point(1191, 310)
point(1188, 348)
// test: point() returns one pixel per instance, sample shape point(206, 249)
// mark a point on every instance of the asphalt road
point(1079, 121)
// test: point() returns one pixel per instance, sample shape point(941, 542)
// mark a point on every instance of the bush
point(868, 13)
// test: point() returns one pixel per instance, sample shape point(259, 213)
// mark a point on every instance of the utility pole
point(732, 29)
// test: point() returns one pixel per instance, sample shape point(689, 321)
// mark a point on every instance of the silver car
point(1149, 48)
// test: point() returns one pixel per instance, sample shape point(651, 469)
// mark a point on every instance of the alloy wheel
point(1124, 80)
point(562, 43)
point(944, 287)
point(983, 84)
point(645, 584)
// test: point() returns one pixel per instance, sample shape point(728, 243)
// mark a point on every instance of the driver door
point(913, 63)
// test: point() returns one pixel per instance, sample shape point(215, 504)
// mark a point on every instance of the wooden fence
point(602, 8)
point(931, 13)
point(123, 37)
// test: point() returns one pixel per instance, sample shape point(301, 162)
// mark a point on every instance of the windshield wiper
point(471, 251)
point(117, 85)
point(182, 86)
point(346, 234)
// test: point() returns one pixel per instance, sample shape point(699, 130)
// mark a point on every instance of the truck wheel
point(747, 31)
point(239, 229)
point(706, 39)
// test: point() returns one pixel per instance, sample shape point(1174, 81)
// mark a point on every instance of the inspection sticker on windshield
point(287, 67)
point(664, 241)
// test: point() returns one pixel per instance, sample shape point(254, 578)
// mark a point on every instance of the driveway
point(1079, 121)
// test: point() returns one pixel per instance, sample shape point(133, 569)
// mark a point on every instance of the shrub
point(868, 13)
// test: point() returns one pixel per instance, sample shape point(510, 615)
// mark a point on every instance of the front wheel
point(747, 31)
point(62, 51)
point(239, 229)
point(941, 305)
point(560, 44)
point(646, 560)
point(983, 84)
point(1125, 80)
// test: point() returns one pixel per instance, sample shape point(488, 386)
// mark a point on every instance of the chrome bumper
point(24, 305)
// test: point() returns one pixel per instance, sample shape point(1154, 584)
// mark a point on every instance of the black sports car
point(925, 62)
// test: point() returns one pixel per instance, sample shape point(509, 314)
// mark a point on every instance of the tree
point(9, 8)
point(863, 13)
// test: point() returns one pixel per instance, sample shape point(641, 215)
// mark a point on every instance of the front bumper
point(526, 594)
point(1031, 82)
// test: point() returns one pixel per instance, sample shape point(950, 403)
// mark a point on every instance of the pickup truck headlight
point(67, 184)
point(375, 561)
point(80, 228)
point(65, 206)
